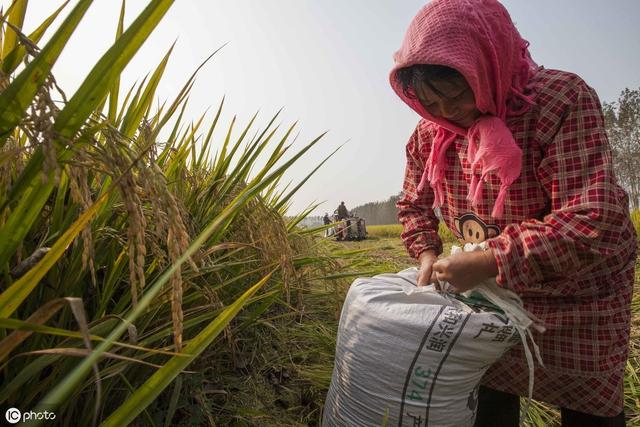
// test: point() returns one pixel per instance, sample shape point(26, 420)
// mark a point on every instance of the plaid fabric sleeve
point(587, 228)
point(415, 213)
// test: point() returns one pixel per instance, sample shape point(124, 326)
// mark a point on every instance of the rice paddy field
point(150, 273)
point(304, 359)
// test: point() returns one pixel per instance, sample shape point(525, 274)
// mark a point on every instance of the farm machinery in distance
point(351, 228)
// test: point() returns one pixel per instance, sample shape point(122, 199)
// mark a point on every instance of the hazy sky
point(327, 63)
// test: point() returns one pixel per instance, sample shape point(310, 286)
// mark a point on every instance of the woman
point(517, 156)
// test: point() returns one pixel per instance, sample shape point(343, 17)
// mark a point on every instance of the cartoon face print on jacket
point(472, 229)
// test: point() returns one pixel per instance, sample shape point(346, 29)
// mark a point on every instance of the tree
point(622, 119)
point(379, 213)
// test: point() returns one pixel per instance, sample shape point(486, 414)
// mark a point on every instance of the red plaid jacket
point(566, 244)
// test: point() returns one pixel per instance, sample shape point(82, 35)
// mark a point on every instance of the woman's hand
point(425, 272)
point(465, 270)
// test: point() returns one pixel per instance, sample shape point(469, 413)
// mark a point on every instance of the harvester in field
point(351, 228)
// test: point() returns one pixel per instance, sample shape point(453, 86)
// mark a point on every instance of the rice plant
point(126, 256)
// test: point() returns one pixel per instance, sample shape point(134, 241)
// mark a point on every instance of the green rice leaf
point(17, 96)
point(13, 59)
point(34, 193)
point(147, 392)
point(115, 87)
point(101, 78)
point(138, 109)
point(13, 296)
point(15, 17)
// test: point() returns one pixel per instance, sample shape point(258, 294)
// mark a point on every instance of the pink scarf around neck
point(478, 39)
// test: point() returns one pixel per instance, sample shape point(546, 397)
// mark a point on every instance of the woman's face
point(450, 99)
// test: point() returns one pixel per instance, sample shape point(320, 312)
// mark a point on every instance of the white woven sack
point(409, 356)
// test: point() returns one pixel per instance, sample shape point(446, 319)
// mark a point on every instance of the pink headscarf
point(478, 39)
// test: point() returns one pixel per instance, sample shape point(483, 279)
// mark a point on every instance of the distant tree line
point(622, 119)
point(379, 213)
